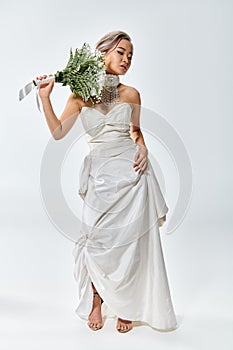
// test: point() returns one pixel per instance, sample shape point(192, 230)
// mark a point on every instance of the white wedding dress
point(119, 247)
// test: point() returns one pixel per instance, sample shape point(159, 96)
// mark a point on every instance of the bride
point(122, 268)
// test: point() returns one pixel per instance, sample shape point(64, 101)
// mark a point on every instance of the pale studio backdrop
point(182, 68)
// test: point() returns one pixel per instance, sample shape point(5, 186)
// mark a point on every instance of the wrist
point(45, 98)
point(143, 147)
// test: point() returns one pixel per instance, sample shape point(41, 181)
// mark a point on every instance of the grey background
point(182, 68)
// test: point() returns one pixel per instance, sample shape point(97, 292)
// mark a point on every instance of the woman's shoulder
point(79, 100)
point(130, 93)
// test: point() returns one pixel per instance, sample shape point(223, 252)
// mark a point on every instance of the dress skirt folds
point(119, 247)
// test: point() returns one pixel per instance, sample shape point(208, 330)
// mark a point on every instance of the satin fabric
point(119, 247)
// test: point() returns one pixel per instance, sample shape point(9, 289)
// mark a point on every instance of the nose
point(125, 59)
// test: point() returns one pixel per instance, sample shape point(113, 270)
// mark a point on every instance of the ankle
point(97, 299)
point(122, 319)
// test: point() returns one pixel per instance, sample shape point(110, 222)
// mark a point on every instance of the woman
point(118, 259)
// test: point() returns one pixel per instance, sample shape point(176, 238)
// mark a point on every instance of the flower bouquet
point(84, 73)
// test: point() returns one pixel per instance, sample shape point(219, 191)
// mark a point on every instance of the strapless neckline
point(111, 110)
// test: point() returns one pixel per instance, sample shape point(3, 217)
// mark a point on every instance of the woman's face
point(118, 59)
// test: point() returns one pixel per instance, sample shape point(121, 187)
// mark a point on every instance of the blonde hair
point(111, 40)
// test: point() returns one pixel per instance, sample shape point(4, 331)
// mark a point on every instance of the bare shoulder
point(76, 100)
point(73, 107)
point(130, 94)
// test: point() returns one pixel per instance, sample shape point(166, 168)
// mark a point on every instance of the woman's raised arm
point(59, 127)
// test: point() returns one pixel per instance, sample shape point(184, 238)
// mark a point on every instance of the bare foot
point(95, 317)
point(124, 326)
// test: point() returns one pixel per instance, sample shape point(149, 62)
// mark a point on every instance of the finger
point(138, 160)
point(136, 166)
point(142, 170)
point(41, 77)
point(145, 166)
point(137, 156)
point(141, 167)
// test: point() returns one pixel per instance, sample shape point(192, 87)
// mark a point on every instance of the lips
point(123, 66)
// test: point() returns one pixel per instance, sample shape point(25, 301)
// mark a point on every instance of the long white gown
point(119, 247)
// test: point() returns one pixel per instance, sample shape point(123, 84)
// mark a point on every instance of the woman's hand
point(141, 159)
point(45, 89)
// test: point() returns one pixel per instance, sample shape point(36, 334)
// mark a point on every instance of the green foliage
point(84, 73)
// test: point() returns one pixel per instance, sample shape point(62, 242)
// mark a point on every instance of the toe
point(124, 326)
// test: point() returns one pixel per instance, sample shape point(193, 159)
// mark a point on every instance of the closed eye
point(122, 53)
